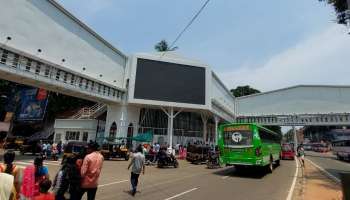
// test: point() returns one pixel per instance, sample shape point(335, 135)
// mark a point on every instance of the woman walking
point(67, 181)
point(33, 175)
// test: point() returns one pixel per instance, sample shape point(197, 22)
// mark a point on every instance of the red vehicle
point(287, 152)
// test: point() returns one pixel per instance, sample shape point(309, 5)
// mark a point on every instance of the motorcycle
point(213, 160)
point(165, 160)
point(151, 159)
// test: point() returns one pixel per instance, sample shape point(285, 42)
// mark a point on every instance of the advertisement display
point(32, 107)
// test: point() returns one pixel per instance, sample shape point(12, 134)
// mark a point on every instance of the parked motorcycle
point(213, 159)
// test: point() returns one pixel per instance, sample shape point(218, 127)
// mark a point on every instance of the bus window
point(238, 138)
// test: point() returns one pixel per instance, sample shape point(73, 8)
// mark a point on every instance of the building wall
point(44, 25)
point(122, 115)
point(75, 125)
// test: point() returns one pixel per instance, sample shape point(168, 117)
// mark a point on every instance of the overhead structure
point(298, 105)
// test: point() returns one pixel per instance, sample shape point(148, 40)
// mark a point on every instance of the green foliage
point(163, 46)
point(244, 91)
point(339, 6)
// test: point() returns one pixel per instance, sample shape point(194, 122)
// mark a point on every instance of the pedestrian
point(59, 148)
point(138, 166)
point(6, 186)
point(67, 181)
point(301, 155)
point(157, 147)
point(9, 168)
point(48, 150)
point(54, 152)
point(33, 175)
point(44, 149)
point(44, 194)
point(90, 171)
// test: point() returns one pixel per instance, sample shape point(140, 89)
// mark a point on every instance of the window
point(267, 137)
point(85, 136)
point(72, 135)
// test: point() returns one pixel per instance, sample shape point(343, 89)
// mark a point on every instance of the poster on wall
point(33, 104)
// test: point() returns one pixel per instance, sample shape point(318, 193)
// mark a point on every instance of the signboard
point(169, 82)
point(31, 108)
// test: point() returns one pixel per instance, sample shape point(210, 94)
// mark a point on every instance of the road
point(328, 162)
point(190, 181)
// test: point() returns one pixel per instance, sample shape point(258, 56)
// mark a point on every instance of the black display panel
point(163, 81)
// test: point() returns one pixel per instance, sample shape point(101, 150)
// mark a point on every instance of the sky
point(265, 44)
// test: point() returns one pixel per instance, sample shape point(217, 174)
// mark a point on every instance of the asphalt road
point(328, 162)
point(190, 181)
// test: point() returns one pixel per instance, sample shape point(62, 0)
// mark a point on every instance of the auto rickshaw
point(74, 148)
point(30, 147)
point(197, 153)
point(112, 150)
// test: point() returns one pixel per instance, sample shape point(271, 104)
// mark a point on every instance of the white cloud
point(323, 58)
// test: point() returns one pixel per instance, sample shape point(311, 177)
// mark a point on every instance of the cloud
point(322, 58)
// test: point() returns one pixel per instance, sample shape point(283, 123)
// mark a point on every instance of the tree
point(340, 6)
point(244, 91)
point(163, 46)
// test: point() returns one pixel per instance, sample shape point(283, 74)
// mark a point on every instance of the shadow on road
point(242, 172)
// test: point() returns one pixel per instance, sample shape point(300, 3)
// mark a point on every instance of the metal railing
point(88, 112)
point(302, 120)
point(16, 63)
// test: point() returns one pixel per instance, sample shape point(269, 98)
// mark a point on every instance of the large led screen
point(163, 81)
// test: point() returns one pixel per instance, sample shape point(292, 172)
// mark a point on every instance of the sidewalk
point(312, 184)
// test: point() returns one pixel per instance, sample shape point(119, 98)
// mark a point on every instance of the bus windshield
point(238, 138)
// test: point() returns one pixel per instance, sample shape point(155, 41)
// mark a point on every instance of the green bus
point(248, 144)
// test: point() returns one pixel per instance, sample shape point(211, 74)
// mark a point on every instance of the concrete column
point(205, 118)
point(295, 139)
point(216, 120)
point(171, 128)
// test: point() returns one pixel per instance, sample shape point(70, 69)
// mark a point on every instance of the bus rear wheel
point(270, 166)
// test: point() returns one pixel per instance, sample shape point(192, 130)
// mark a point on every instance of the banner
point(31, 107)
point(41, 95)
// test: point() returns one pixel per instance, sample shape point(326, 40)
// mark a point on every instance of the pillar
point(295, 139)
point(205, 118)
point(216, 120)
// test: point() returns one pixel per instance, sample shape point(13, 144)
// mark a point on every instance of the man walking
point(90, 171)
point(138, 165)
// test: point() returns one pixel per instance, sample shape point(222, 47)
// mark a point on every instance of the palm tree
point(163, 46)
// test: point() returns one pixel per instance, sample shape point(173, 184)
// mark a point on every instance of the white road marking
point(30, 163)
point(291, 190)
point(113, 183)
point(182, 193)
point(323, 170)
point(225, 177)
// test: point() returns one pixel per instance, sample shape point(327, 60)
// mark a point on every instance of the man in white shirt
point(138, 166)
